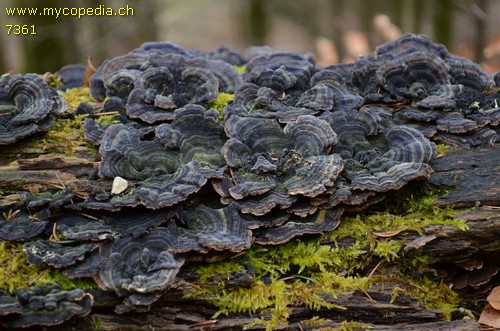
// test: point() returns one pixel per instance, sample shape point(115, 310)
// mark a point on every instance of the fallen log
point(473, 174)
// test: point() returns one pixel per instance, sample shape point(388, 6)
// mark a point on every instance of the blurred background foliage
point(335, 30)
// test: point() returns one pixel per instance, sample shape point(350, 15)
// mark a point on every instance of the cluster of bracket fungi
point(27, 105)
point(297, 147)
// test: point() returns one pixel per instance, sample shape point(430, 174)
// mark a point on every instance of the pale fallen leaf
point(494, 298)
point(490, 316)
point(388, 234)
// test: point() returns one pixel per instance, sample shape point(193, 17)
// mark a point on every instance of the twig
point(90, 216)
point(53, 236)
point(374, 269)
point(106, 113)
point(366, 294)
point(38, 277)
point(204, 323)
point(11, 215)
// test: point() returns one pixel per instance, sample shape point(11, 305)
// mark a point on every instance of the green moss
point(312, 272)
point(429, 293)
point(52, 80)
point(6, 191)
point(65, 137)
point(218, 104)
point(296, 274)
point(240, 69)
point(317, 323)
point(224, 98)
point(311, 255)
point(98, 322)
point(351, 326)
point(412, 199)
point(218, 271)
point(107, 120)
point(75, 96)
point(442, 149)
point(16, 272)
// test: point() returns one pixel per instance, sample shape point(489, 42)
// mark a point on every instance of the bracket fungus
point(126, 154)
point(469, 74)
point(320, 222)
point(176, 163)
point(46, 199)
point(28, 105)
point(44, 305)
point(413, 77)
point(71, 76)
point(206, 229)
point(195, 133)
point(75, 227)
point(405, 160)
point(296, 65)
point(158, 92)
point(56, 254)
point(21, 227)
point(140, 265)
point(264, 157)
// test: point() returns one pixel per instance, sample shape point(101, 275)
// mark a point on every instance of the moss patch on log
point(65, 137)
point(75, 96)
point(442, 149)
point(366, 251)
point(218, 104)
point(16, 272)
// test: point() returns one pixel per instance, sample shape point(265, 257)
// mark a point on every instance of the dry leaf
point(89, 71)
point(12, 214)
point(388, 234)
point(494, 298)
point(33, 188)
point(490, 316)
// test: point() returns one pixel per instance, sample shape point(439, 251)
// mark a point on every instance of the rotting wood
point(473, 173)
point(450, 244)
point(376, 311)
point(173, 312)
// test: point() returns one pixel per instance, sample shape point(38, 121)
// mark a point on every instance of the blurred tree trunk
point(395, 11)
point(46, 50)
point(480, 23)
point(368, 10)
point(256, 16)
point(3, 62)
point(304, 12)
point(443, 22)
point(148, 31)
point(338, 24)
point(418, 14)
point(59, 40)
